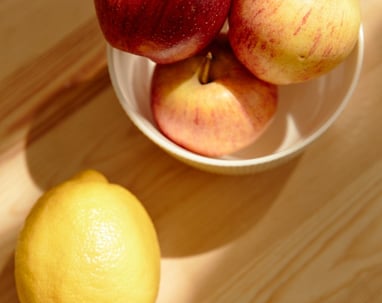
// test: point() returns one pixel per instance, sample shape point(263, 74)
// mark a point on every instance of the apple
point(210, 103)
point(164, 31)
point(291, 41)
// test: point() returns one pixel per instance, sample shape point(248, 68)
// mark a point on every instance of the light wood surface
point(309, 231)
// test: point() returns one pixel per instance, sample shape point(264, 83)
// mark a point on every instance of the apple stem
point(205, 69)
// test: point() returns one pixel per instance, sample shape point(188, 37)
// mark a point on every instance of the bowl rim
point(180, 152)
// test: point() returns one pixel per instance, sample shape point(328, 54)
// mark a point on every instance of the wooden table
point(308, 231)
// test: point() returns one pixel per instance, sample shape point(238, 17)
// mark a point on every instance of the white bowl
point(305, 112)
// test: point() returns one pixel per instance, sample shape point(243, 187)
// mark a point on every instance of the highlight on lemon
point(87, 240)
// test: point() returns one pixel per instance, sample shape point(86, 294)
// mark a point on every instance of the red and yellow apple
point(164, 31)
point(211, 104)
point(290, 41)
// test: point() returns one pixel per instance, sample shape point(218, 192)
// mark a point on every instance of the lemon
point(87, 240)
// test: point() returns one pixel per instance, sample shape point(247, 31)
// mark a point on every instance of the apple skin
point(216, 118)
point(291, 41)
point(164, 31)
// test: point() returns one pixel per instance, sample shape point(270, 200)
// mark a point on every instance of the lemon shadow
point(7, 282)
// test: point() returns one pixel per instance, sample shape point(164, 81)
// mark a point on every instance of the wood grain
point(44, 85)
point(308, 231)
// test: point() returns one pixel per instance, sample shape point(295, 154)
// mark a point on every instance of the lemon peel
point(87, 240)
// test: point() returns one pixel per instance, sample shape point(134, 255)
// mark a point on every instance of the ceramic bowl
point(305, 112)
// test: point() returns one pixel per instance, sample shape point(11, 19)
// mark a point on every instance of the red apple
point(164, 31)
point(291, 41)
point(211, 104)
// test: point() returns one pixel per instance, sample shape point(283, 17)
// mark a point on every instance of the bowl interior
point(305, 110)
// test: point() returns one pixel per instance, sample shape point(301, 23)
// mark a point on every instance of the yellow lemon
point(87, 240)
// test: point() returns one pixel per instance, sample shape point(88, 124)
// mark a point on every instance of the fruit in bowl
point(305, 108)
point(164, 31)
point(305, 111)
point(211, 104)
point(292, 41)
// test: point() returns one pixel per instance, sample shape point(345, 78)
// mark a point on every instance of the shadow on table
point(7, 282)
point(193, 211)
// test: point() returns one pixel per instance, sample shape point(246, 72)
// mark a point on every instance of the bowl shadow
point(193, 211)
point(210, 211)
